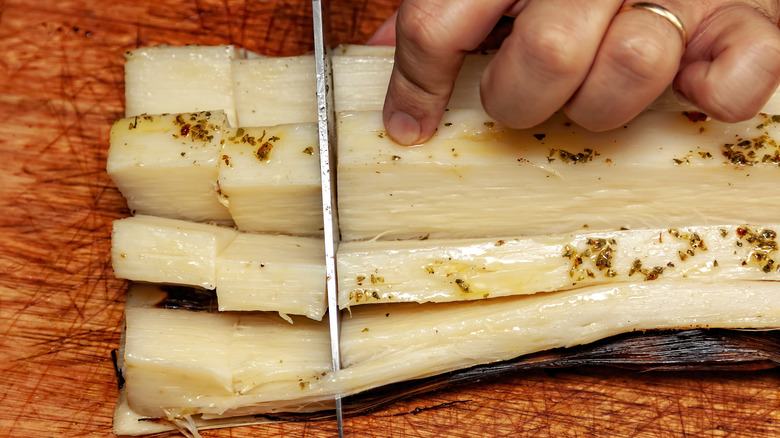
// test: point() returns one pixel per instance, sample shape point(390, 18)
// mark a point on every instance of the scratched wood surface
point(61, 87)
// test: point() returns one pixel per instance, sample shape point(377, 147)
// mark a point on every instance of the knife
point(325, 120)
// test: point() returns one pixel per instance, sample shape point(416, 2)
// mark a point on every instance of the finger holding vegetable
point(602, 62)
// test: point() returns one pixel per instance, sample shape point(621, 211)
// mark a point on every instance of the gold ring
point(663, 12)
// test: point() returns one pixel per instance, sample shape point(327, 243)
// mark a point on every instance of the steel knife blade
point(327, 149)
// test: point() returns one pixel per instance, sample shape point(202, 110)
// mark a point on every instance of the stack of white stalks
point(482, 245)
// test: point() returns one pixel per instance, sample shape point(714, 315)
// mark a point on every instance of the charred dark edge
point(188, 298)
point(665, 351)
point(120, 379)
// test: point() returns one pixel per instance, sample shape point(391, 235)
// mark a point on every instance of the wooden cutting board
point(61, 86)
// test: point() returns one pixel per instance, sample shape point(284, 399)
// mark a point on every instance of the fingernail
point(403, 128)
point(682, 100)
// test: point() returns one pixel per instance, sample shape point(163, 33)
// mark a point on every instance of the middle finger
point(545, 59)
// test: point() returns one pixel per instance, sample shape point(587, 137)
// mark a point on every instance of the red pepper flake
point(264, 151)
point(741, 232)
point(695, 116)
point(185, 130)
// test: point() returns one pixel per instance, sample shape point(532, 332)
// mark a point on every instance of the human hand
point(599, 61)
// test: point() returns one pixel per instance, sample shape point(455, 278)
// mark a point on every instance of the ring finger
point(638, 59)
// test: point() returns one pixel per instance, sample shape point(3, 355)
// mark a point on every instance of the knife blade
point(326, 137)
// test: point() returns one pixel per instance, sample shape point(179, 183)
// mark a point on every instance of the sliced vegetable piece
point(390, 343)
point(167, 165)
point(476, 178)
point(162, 250)
point(457, 270)
point(269, 178)
point(172, 79)
point(278, 273)
point(274, 90)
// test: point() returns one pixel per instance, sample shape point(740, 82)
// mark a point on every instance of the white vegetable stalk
point(254, 364)
point(373, 272)
point(269, 178)
point(235, 354)
point(167, 79)
point(162, 250)
point(275, 273)
point(274, 90)
point(476, 178)
point(272, 272)
point(155, 159)
point(264, 179)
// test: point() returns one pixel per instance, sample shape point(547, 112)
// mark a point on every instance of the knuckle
point(639, 58)
point(422, 26)
point(417, 98)
point(552, 48)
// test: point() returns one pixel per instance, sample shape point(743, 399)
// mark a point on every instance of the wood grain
point(61, 86)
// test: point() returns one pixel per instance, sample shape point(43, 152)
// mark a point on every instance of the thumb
point(432, 38)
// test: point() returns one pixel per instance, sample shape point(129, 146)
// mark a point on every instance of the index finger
point(432, 38)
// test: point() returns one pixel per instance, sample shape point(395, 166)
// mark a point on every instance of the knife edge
point(328, 157)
